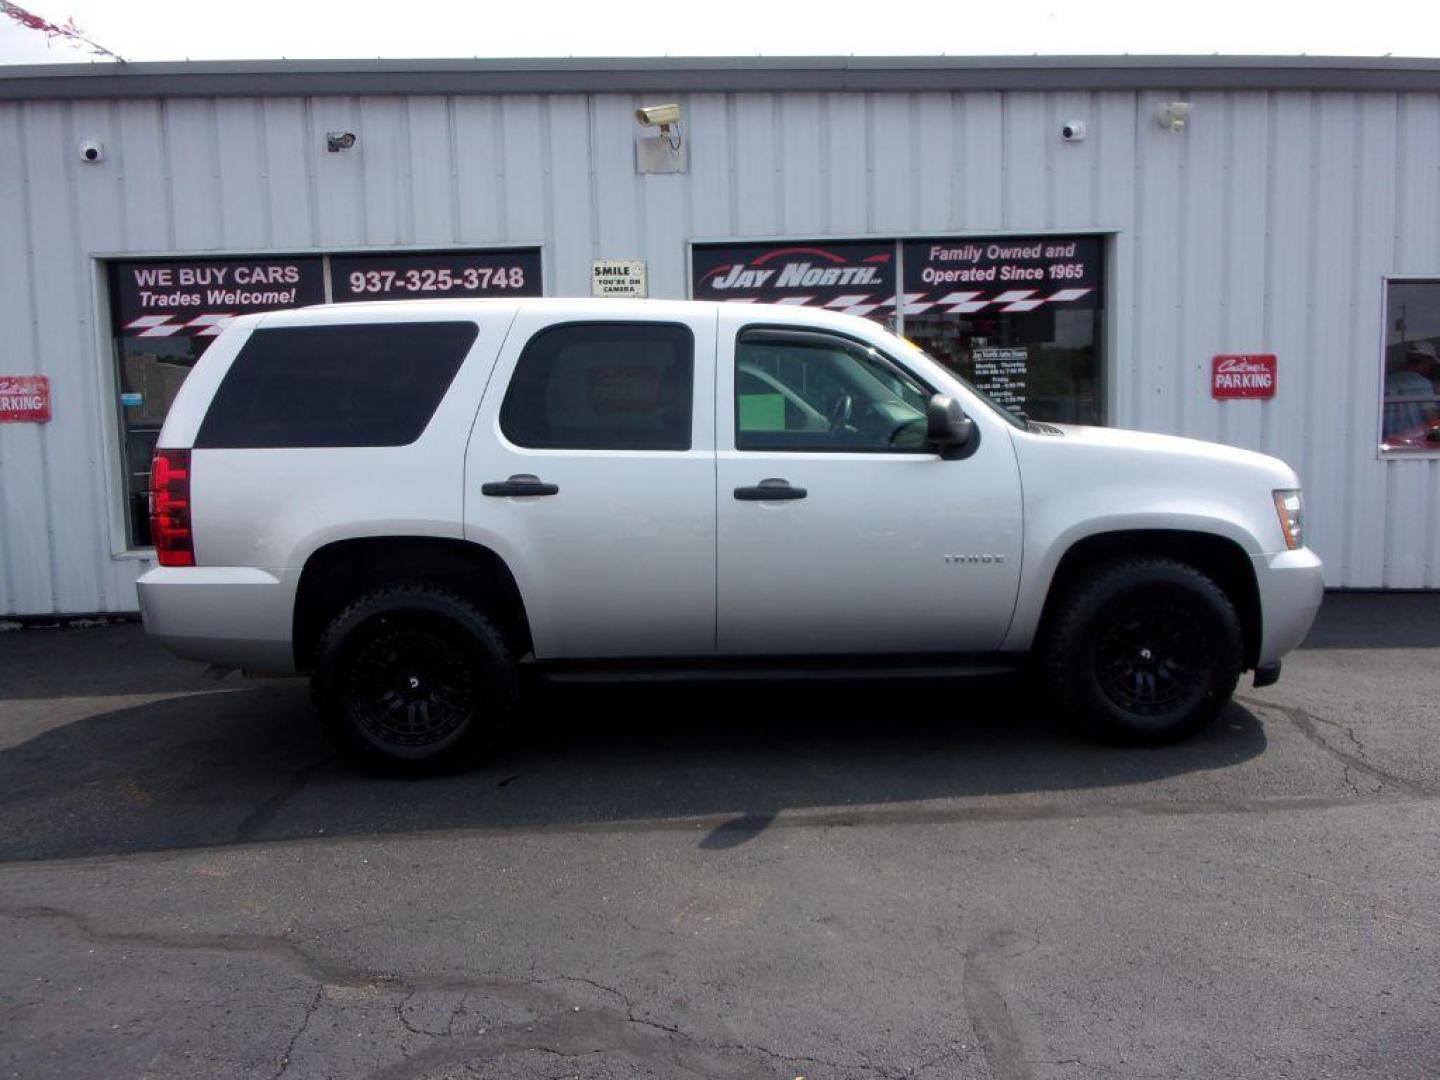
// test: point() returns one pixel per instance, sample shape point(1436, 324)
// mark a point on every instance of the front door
point(591, 472)
point(839, 529)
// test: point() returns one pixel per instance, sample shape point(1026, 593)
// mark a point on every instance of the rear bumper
point(234, 616)
point(1291, 586)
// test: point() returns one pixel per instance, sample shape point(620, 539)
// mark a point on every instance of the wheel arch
point(1218, 557)
point(339, 571)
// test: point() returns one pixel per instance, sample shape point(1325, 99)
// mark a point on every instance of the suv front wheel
point(415, 677)
point(1143, 651)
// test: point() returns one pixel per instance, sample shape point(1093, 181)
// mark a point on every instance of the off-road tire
point(414, 678)
point(1143, 650)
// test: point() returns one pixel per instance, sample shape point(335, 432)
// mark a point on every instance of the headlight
point(1291, 508)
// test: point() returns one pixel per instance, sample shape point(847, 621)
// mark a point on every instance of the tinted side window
point(368, 384)
point(602, 386)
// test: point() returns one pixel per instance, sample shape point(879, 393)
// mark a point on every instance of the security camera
point(1173, 115)
point(91, 151)
point(335, 141)
point(1073, 130)
point(661, 116)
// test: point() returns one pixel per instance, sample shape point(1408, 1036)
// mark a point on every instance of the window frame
point(567, 324)
point(1381, 451)
point(824, 334)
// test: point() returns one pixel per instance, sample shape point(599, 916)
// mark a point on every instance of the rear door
point(591, 471)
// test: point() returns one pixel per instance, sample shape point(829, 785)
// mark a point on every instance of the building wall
point(1266, 226)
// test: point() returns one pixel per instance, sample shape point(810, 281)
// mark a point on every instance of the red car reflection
point(1424, 436)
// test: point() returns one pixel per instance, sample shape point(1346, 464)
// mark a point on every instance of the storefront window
point(1019, 317)
point(167, 312)
point(1410, 417)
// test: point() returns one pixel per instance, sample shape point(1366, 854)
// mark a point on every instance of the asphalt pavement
point(875, 880)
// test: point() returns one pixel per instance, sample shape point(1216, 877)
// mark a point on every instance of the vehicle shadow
point(244, 762)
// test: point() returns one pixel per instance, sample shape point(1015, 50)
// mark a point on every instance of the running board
point(772, 671)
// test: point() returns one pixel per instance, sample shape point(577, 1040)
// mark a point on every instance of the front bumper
point(1291, 585)
point(233, 616)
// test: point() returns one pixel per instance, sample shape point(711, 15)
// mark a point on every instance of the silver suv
point(409, 500)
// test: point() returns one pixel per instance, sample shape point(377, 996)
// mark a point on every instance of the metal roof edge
point(305, 78)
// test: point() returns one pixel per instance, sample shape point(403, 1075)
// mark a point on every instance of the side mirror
point(947, 427)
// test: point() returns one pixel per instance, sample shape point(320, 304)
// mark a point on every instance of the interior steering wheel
point(840, 410)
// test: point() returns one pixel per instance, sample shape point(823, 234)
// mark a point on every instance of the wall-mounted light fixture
point(1173, 115)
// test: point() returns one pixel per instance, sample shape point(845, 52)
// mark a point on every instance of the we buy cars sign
point(24, 399)
point(196, 297)
point(1242, 375)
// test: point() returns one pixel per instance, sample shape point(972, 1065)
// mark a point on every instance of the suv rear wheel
point(415, 677)
point(1143, 651)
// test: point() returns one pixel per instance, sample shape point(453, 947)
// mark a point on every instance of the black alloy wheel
point(1143, 650)
point(1153, 657)
point(408, 682)
point(415, 677)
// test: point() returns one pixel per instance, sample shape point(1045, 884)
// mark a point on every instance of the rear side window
point(365, 384)
point(602, 386)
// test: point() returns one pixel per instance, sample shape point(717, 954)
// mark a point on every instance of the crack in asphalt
point(273, 945)
point(310, 1011)
point(560, 1026)
point(1308, 724)
point(406, 1023)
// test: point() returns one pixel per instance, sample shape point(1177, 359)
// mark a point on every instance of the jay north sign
point(858, 278)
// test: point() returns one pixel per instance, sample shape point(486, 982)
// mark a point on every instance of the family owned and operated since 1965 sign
point(1018, 274)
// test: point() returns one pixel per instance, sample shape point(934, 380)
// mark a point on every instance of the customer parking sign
point(24, 399)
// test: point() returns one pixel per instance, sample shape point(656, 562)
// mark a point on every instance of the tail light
point(170, 508)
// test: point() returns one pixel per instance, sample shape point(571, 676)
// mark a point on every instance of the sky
point(312, 29)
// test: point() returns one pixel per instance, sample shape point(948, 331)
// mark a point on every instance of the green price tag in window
point(762, 412)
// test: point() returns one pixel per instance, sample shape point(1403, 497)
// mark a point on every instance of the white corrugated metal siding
point(1266, 226)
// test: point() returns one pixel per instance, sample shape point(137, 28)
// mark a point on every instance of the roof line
point(308, 78)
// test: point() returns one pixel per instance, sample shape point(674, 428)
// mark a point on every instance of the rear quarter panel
point(272, 508)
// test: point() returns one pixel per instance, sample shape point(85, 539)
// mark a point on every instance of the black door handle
point(519, 484)
point(766, 490)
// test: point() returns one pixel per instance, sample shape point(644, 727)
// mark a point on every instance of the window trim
point(572, 323)
point(818, 336)
point(1381, 452)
